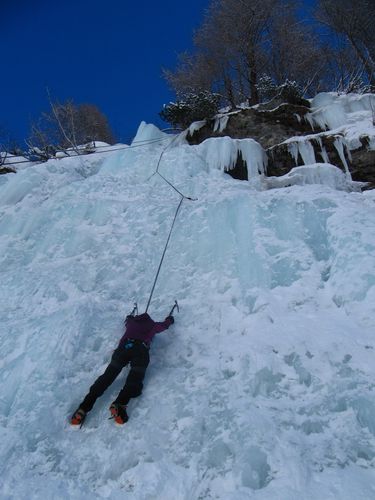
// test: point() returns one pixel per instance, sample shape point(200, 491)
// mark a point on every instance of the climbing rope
point(164, 251)
point(174, 187)
point(182, 198)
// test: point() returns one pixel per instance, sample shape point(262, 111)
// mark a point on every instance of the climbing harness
point(129, 344)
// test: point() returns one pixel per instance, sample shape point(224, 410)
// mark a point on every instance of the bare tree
point(233, 34)
point(42, 143)
point(63, 115)
point(344, 68)
point(67, 126)
point(293, 51)
point(8, 143)
point(193, 73)
point(3, 148)
point(8, 146)
point(241, 40)
point(354, 21)
point(93, 125)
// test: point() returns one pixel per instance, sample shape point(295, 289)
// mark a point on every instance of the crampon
point(78, 417)
point(118, 413)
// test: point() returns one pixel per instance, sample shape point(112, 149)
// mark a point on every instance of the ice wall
point(148, 132)
point(262, 388)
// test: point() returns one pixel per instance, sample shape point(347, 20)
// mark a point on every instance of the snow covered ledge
point(317, 173)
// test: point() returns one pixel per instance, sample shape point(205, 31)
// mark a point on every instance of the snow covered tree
point(190, 107)
point(266, 87)
point(289, 91)
point(356, 85)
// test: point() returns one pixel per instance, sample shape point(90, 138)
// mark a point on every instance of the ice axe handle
point(135, 309)
point(174, 307)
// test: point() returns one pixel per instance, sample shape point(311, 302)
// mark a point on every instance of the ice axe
point(135, 309)
point(133, 313)
point(174, 307)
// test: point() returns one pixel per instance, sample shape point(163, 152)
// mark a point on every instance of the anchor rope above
point(182, 198)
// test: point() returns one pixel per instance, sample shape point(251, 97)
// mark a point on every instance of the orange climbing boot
point(118, 413)
point(78, 417)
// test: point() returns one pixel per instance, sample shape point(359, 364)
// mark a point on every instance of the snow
point(263, 388)
point(318, 173)
point(13, 161)
point(347, 118)
point(148, 132)
point(350, 115)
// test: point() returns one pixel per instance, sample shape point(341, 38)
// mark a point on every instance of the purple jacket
point(142, 327)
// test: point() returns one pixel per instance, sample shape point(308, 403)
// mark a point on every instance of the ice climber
point(133, 348)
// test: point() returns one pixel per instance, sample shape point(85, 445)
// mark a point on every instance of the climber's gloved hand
point(170, 319)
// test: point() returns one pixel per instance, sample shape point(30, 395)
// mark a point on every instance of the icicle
point(323, 151)
point(339, 145)
point(309, 118)
point(221, 122)
point(195, 126)
point(222, 153)
point(254, 156)
point(324, 154)
point(293, 151)
point(303, 148)
point(307, 152)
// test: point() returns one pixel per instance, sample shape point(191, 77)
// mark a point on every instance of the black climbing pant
point(137, 355)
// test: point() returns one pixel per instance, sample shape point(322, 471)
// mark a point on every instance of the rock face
point(267, 126)
point(363, 163)
point(285, 133)
point(6, 170)
point(324, 147)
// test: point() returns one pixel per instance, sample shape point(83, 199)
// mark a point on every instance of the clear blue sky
point(106, 53)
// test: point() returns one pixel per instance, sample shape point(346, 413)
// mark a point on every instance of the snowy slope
point(263, 388)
